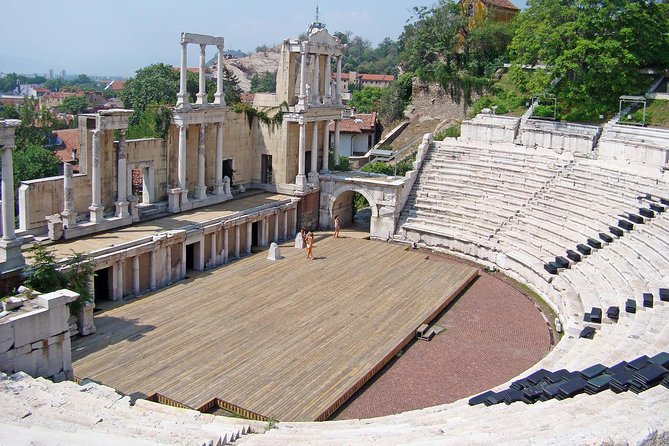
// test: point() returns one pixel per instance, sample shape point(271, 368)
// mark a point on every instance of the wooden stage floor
point(289, 340)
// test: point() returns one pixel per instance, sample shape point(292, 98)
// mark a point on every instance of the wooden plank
point(289, 340)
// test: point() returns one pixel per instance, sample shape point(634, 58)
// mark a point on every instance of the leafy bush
point(449, 132)
point(543, 111)
point(344, 165)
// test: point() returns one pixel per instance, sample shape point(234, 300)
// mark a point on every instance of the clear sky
point(120, 36)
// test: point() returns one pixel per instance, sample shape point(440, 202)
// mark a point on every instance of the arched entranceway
point(354, 210)
point(382, 192)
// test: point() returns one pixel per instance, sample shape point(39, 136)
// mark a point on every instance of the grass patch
point(658, 113)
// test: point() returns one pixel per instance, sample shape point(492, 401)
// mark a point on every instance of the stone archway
point(383, 194)
point(340, 203)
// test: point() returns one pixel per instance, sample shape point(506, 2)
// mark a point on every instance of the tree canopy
point(592, 51)
point(438, 45)
point(263, 83)
point(75, 104)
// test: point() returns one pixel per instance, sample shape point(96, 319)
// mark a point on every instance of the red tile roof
point(359, 123)
point(506, 4)
point(70, 138)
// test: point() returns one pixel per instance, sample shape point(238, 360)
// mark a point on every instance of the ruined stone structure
point(10, 248)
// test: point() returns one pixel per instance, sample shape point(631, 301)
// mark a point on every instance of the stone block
point(67, 355)
point(31, 327)
point(49, 361)
point(13, 302)
point(274, 252)
point(6, 336)
point(57, 298)
point(27, 363)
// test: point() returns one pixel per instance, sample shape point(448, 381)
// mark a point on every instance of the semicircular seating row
point(515, 208)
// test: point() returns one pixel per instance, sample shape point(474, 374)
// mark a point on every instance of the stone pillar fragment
point(153, 269)
point(285, 224)
point(96, 187)
point(10, 248)
point(121, 177)
point(276, 227)
point(249, 237)
point(69, 215)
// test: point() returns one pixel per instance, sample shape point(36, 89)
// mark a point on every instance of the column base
point(200, 193)
point(301, 183)
point(173, 202)
point(122, 209)
point(219, 189)
point(69, 219)
point(219, 99)
point(96, 214)
point(182, 101)
point(185, 202)
point(201, 99)
point(313, 178)
point(10, 255)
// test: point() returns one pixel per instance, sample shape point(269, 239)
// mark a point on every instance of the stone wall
point(560, 136)
point(307, 211)
point(430, 99)
point(490, 128)
point(35, 338)
point(646, 145)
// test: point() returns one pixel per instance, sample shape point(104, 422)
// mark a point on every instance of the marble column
point(201, 189)
point(181, 162)
point(303, 100)
point(153, 269)
point(182, 273)
point(285, 224)
point(313, 173)
point(118, 282)
point(293, 227)
point(237, 241)
point(327, 81)
point(135, 275)
point(202, 93)
point(10, 248)
point(168, 260)
point(338, 82)
point(226, 255)
point(315, 91)
point(96, 187)
point(121, 177)
point(219, 188)
point(182, 96)
point(336, 139)
point(69, 215)
point(326, 147)
point(249, 236)
point(301, 179)
point(276, 227)
point(219, 96)
point(212, 248)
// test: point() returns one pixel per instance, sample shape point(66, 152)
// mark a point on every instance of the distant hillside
point(257, 63)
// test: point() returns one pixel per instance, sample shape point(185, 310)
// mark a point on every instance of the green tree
point(154, 84)
point(592, 50)
point(231, 87)
point(75, 104)
point(42, 275)
point(34, 161)
point(263, 83)
point(366, 100)
point(8, 82)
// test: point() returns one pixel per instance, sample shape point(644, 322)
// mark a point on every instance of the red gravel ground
point(493, 333)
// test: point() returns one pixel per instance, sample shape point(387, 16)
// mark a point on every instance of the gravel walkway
point(493, 333)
